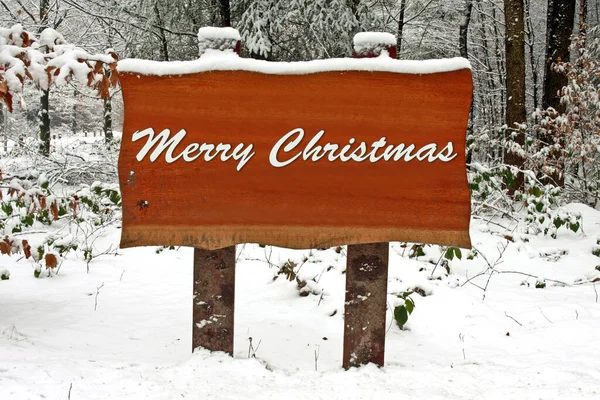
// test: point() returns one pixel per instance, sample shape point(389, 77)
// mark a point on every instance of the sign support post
point(213, 299)
point(364, 310)
point(367, 265)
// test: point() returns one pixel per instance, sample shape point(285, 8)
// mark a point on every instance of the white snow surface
point(50, 37)
point(210, 32)
point(518, 343)
point(375, 37)
point(229, 61)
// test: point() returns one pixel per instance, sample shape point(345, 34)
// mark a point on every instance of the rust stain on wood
point(306, 204)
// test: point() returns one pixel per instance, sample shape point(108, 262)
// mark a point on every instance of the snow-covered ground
point(123, 330)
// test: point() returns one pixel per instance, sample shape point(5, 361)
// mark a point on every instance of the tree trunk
point(462, 41)
point(164, 48)
point(74, 113)
point(583, 12)
point(400, 27)
point(531, 46)
point(515, 84)
point(107, 127)
point(225, 13)
point(464, 29)
point(559, 27)
point(44, 115)
point(44, 121)
point(4, 124)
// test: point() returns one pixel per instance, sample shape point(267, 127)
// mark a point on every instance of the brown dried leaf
point(26, 248)
point(98, 68)
point(51, 260)
point(114, 75)
point(103, 87)
point(54, 210)
point(5, 95)
point(27, 41)
point(42, 201)
point(5, 247)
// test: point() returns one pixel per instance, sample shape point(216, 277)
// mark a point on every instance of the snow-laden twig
point(505, 313)
point(97, 293)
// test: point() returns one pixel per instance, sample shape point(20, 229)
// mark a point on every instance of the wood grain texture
point(306, 204)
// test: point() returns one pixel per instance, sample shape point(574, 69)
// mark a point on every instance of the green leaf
point(574, 227)
point(540, 285)
point(458, 253)
point(410, 305)
point(400, 315)
point(27, 220)
point(452, 252)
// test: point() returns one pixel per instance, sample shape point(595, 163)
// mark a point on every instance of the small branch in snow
point(240, 251)
point(320, 298)
point(121, 278)
point(444, 249)
point(532, 276)
point(595, 291)
point(251, 350)
point(97, 293)
point(268, 258)
point(547, 319)
point(505, 313)
point(70, 387)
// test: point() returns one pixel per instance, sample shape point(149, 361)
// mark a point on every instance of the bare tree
point(464, 29)
point(559, 28)
point(462, 41)
point(400, 26)
point(44, 114)
point(515, 83)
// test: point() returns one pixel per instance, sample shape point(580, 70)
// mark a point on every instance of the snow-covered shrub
point(26, 201)
point(596, 248)
point(489, 187)
point(569, 142)
point(60, 224)
point(542, 214)
point(46, 59)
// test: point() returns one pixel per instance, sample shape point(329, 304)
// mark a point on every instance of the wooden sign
point(215, 158)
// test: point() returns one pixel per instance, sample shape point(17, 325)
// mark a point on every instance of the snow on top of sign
point(363, 39)
point(210, 32)
point(229, 61)
point(373, 42)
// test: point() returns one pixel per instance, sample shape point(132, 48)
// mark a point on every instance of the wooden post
point(366, 298)
point(214, 270)
point(214, 299)
point(367, 265)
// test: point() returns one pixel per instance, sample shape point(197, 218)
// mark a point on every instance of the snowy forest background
point(533, 161)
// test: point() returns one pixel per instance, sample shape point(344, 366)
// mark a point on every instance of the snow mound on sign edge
point(229, 61)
